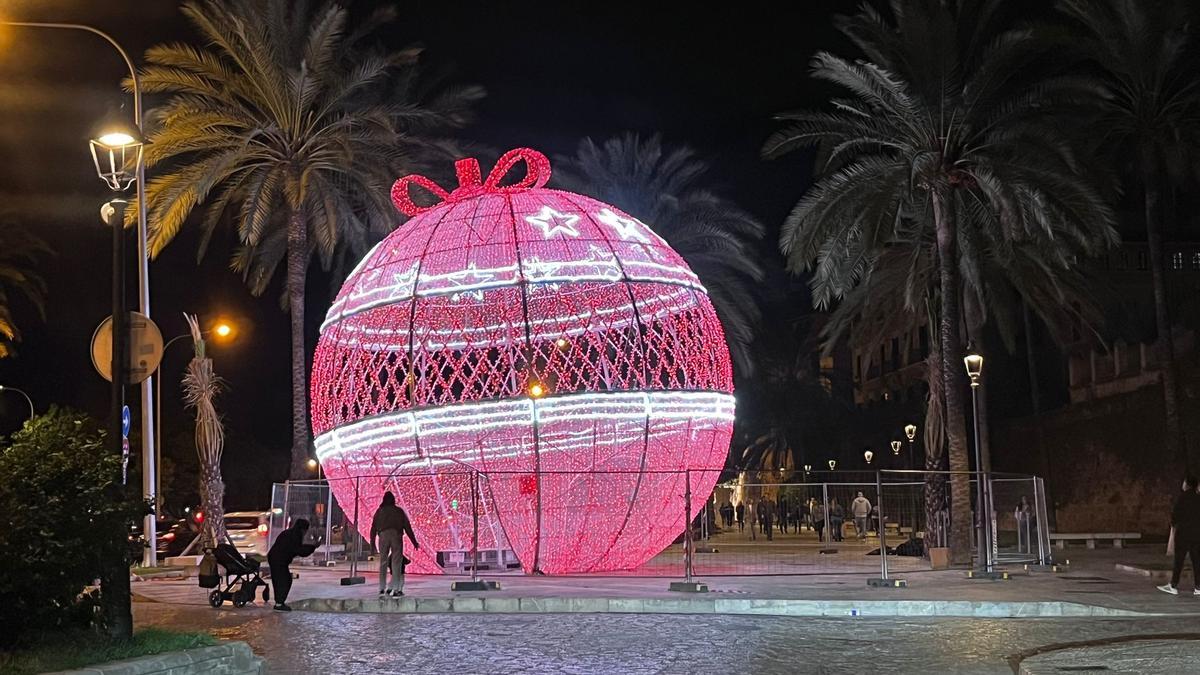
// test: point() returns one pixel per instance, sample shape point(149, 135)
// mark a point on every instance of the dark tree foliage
point(65, 519)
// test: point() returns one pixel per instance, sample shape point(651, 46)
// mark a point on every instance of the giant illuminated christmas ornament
point(548, 341)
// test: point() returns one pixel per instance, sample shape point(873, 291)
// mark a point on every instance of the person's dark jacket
point(1185, 517)
point(288, 546)
point(392, 517)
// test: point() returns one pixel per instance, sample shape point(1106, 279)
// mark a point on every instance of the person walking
point(837, 516)
point(766, 517)
point(740, 511)
point(1023, 515)
point(287, 547)
point(784, 514)
point(1185, 521)
point(861, 508)
point(727, 514)
point(817, 513)
point(390, 524)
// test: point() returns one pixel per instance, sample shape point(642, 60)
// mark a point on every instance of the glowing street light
point(868, 455)
point(974, 363)
point(536, 390)
point(314, 465)
point(896, 448)
point(832, 464)
point(910, 430)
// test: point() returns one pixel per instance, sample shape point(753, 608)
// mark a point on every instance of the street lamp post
point(314, 465)
point(974, 364)
point(868, 455)
point(149, 468)
point(910, 430)
point(833, 465)
point(896, 448)
point(27, 399)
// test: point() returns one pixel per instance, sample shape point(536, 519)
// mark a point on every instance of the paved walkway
point(350, 644)
point(1091, 587)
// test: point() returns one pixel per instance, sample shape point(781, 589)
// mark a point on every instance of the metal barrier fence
point(633, 523)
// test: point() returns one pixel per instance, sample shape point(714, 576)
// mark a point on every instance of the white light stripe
point(660, 306)
point(658, 407)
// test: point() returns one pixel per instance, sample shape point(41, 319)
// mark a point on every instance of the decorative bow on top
point(469, 182)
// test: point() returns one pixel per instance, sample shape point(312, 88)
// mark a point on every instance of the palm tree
point(934, 129)
point(19, 253)
point(1148, 124)
point(668, 188)
point(288, 126)
point(200, 387)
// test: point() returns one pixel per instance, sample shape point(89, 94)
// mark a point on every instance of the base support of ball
point(984, 575)
point(689, 587)
point(477, 585)
point(887, 583)
point(352, 581)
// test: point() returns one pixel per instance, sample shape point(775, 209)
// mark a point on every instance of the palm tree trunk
point(1165, 345)
point(1035, 398)
point(297, 273)
point(951, 344)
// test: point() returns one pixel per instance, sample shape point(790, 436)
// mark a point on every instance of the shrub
point(63, 511)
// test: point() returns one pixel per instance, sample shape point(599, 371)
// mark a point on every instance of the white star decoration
point(626, 228)
point(553, 222)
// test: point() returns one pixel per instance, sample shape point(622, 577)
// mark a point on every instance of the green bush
point(71, 650)
point(63, 511)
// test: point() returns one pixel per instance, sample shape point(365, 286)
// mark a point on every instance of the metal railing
point(637, 523)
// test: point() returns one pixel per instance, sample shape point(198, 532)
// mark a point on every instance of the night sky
point(554, 75)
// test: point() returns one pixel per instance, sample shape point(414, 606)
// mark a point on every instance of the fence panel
point(635, 522)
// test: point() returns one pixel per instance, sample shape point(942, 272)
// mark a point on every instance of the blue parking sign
point(125, 421)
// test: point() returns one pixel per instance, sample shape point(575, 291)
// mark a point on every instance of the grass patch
point(67, 651)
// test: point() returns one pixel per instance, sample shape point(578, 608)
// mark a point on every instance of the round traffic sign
point(145, 348)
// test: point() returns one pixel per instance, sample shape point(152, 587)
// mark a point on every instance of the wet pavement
point(306, 642)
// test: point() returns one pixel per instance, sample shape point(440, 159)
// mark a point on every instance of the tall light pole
point(4, 388)
point(974, 364)
point(149, 468)
point(111, 152)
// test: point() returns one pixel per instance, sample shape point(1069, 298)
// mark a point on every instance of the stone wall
point(227, 658)
point(1104, 461)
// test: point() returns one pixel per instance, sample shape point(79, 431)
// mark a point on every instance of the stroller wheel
point(215, 599)
point(239, 599)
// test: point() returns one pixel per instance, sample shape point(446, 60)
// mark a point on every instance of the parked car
point(249, 531)
point(175, 537)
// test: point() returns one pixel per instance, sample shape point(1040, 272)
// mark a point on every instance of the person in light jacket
point(861, 508)
point(390, 524)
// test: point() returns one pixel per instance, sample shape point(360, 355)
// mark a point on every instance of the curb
point(712, 605)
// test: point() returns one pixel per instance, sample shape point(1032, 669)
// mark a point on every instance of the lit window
point(1177, 260)
point(1196, 261)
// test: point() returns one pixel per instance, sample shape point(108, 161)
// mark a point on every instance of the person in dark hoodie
point(390, 524)
point(1185, 518)
point(288, 545)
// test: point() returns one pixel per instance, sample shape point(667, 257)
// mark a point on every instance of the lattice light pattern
point(542, 337)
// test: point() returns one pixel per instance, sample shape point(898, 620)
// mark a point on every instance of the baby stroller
point(241, 572)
